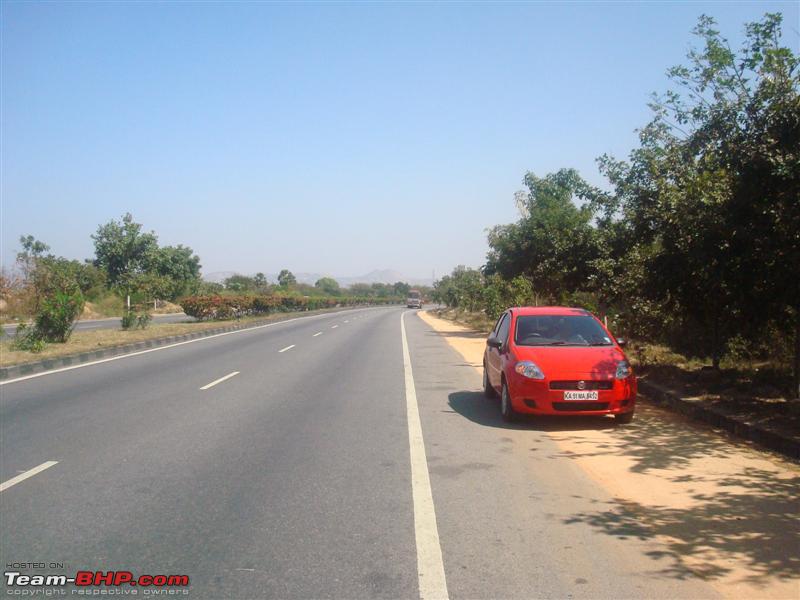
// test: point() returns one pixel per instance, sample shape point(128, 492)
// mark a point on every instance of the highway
point(344, 455)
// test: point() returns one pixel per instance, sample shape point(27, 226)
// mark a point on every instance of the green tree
point(124, 251)
point(260, 281)
point(328, 285)
point(286, 279)
point(181, 267)
point(240, 283)
point(401, 289)
point(708, 204)
point(554, 243)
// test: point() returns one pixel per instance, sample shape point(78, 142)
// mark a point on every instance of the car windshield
point(560, 330)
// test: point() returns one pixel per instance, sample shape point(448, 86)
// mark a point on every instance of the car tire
point(624, 418)
point(488, 390)
point(506, 409)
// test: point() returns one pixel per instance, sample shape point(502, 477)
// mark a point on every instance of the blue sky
point(327, 137)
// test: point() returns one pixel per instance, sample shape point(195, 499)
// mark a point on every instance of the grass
point(97, 339)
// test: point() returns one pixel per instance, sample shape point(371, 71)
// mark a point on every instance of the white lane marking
point(346, 321)
point(430, 566)
point(316, 334)
point(23, 476)
point(287, 348)
point(167, 347)
point(220, 380)
point(334, 327)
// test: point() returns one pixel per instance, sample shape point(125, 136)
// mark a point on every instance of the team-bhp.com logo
point(96, 579)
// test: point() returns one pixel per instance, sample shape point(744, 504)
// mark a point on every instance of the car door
point(493, 358)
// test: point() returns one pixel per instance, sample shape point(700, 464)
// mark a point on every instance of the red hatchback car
point(557, 361)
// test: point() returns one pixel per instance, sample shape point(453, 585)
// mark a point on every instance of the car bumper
point(537, 398)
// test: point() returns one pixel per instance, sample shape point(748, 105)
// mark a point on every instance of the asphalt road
point(298, 477)
point(112, 323)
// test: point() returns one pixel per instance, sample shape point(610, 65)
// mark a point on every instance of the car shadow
point(486, 411)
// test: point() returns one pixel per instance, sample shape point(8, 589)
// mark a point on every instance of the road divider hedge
point(223, 307)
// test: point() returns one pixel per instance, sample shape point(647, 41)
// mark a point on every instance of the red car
point(557, 361)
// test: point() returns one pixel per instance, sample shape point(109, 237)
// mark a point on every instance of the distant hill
point(376, 276)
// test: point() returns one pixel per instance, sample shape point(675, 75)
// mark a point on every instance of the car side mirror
point(622, 342)
point(494, 342)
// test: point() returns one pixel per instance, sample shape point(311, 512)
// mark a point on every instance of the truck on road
point(414, 299)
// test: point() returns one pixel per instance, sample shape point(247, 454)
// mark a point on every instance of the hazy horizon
point(322, 138)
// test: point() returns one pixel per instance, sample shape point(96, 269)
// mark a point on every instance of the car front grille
point(587, 385)
point(580, 406)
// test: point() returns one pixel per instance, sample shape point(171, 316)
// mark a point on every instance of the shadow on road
point(486, 411)
point(736, 517)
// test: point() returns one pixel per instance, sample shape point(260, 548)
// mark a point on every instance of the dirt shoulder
point(721, 510)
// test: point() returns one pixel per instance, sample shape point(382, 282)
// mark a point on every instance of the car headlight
point(529, 369)
point(623, 369)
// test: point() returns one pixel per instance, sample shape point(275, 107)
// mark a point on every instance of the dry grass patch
point(87, 341)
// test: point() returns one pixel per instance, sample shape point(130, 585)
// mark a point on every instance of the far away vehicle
point(414, 299)
point(557, 361)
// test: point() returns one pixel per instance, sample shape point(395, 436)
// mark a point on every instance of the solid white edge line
point(220, 380)
point(316, 334)
point(23, 476)
point(430, 566)
point(287, 348)
point(140, 352)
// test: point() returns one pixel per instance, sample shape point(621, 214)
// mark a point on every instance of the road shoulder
point(721, 511)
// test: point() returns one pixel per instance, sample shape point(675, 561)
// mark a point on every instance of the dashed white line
point(430, 566)
point(334, 326)
point(220, 380)
point(159, 349)
point(316, 334)
point(23, 476)
point(287, 348)
point(346, 321)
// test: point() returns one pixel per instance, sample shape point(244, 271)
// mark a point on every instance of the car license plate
point(580, 395)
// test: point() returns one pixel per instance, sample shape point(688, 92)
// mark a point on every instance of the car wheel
point(488, 390)
point(624, 418)
point(506, 409)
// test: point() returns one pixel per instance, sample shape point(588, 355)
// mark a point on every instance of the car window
point(557, 330)
point(505, 325)
point(497, 325)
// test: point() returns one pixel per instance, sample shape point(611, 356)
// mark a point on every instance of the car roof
point(560, 311)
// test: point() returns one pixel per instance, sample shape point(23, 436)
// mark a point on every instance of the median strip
point(23, 476)
point(287, 348)
point(220, 380)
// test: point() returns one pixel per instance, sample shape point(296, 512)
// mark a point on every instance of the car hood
point(596, 362)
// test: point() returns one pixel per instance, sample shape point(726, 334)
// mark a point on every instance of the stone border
point(69, 360)
point(694, 409)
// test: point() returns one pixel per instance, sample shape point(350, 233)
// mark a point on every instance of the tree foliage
point(697, 241)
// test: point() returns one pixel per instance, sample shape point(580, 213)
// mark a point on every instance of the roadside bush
point(233, 306)
point(57, 314)
point(28, 339)
point(136, 320)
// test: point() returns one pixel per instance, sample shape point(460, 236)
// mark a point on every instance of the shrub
point(28, 339)
point(57, 314)
point(228, 307)
point(136, 320)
